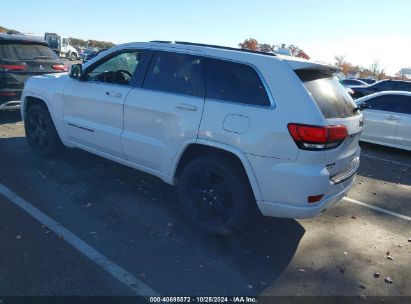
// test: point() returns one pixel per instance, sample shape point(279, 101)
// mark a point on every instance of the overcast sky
point(362, 30)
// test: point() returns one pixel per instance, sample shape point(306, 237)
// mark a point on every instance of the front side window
point(176, 73)
point(235, 82)
point(391, 103)
point(116, 70)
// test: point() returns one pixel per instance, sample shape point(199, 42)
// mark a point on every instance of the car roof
point(222, 52)
point(382, 93)
point(4, 37)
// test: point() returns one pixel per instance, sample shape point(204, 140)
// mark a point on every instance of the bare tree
point(265, 47)
point(375, 68)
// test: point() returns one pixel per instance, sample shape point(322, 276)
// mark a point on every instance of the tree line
point(254, 45)
point(74, 41)
point(91, 43)
point(347, 68)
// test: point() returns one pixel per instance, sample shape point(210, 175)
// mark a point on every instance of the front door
point(93, 107)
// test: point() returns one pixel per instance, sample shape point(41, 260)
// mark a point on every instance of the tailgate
point(343, 160)
point(337, 108)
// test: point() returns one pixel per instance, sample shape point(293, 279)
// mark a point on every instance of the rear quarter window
point(235, 82)
point(329, 95)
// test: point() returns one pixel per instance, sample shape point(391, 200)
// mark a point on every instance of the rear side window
point(236, 82)
point(176, 73)
point(330, 96)
point(391, 103)
point(26, 52)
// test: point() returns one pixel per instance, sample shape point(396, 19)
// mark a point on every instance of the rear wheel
point(73, 56)
point(214, 194)
point(40, 132)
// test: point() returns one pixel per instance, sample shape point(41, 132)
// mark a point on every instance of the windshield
point(22, 51)
point(330, 96)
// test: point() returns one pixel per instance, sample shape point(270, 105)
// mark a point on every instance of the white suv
point(229, 127)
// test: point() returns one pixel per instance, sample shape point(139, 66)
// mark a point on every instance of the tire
point(73, 56)
point(41, 133)
point(215, 195)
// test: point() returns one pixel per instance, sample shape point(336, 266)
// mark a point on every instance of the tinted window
point(118, 69)
point(384, 85)
point(403, 86)
point(25, 51)
point(391, 103)
point(176, 73)
point(330, 96)
point(351, 82)
point(235, 82)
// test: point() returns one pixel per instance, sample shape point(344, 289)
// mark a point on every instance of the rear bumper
point(10, 105)
point(10, 99)
point(299, 212)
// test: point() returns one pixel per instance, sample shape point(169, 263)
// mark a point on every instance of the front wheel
point(73, 56)
point(214, 194)
point(40, 132)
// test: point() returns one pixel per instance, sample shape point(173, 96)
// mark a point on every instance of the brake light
point(60, 67)
point(12, 67)
point(308, 137)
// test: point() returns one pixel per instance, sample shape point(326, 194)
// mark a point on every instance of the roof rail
point(214, 46)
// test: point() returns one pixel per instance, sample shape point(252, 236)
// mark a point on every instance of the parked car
point(368, 80)
point(228, 127)
point(348, 83)
point(383, 85)
point(388, 118)
point(20, 58)
point(83, 54)
point(92, 54)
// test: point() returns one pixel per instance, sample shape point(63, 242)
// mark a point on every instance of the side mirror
point(76, 71)
point(364, 106)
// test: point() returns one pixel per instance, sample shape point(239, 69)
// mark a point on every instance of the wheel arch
point(30, 100)
point(206, 147)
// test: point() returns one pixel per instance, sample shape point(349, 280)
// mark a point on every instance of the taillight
point(8, 94)
point(12, 67)
point(60, 67)
point(309, 137)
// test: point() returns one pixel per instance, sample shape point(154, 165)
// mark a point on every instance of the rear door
point(337, 108)
point(93, 107)
point(165, 112)
point(382, 119)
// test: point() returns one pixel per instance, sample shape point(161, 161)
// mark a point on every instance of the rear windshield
point(20, 51)
point(331, 97)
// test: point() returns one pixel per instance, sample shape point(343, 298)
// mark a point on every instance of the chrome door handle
point(188, 107)
point(391, 117)
point(114, 94)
